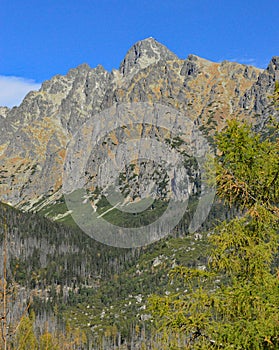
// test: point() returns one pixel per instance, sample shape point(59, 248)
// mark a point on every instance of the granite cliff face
point(35, 135)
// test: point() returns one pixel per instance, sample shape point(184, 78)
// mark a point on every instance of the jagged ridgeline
point(35, 135)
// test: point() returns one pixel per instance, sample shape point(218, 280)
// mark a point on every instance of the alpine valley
point(87, 294)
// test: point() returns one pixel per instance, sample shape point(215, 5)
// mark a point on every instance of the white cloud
point(14, 89)
point(249, 61)
point(246, 60)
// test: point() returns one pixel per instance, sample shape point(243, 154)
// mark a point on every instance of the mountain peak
point(273, 67)
point(142, 54)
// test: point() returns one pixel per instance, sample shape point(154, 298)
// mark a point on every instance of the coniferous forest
point(215, 289)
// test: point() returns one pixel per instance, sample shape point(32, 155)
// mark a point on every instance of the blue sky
point(42, 38)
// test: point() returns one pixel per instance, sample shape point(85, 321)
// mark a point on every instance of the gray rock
point(143, 54)
point(35, 135)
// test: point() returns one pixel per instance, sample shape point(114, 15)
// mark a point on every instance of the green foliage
point(25, 337)
point(47, 342)
point(116, 303)
point(247, 167)
point(234, 303)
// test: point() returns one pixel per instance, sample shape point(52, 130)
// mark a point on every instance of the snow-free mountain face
point(35, 136)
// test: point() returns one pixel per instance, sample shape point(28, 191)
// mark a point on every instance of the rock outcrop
point(35, 135)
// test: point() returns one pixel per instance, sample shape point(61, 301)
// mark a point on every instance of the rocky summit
point(35, 136)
